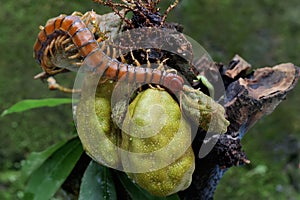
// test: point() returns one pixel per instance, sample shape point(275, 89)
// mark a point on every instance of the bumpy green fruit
point(156, 141)
point(96, 131)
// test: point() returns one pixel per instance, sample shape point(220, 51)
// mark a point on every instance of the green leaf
point(35, 103)
point(173, 197)
point(137, 193)
point(97, 184)
point(36, 159)
point(46, 180)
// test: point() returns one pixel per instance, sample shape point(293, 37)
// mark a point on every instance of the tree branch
point(249, 96)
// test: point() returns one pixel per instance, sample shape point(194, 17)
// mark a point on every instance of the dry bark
point(249, 96)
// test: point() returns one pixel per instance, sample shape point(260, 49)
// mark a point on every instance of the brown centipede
point(97, 61)
point(68, 26)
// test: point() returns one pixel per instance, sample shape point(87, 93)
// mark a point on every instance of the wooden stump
point(249, 96)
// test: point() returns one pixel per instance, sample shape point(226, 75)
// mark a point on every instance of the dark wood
point(249, 96)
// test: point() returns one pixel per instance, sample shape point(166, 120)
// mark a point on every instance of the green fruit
point(96, 131)
point(156, 141)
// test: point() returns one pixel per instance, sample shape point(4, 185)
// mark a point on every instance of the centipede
point(97, 61)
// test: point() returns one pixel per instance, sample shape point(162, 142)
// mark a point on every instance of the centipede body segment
point(96, 60)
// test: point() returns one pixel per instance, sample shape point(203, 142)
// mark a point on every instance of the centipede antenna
point(171, 7)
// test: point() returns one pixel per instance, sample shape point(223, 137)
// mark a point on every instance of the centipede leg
point(71, 46)
point(77, 55)
point(90, 18)
point(77, 13)
point(57, 44)
point(123, 60)
point(160, 88)
point(47, 49)
point(161, 64)
point(78, 64)
point(103, 80)
point(137, 63)
point(155, 87)
point(66, 41)
point(147, 58)
point(99, 40)
point(108, 51)
point(114, 54)
point(52, 44)
point(180, 100)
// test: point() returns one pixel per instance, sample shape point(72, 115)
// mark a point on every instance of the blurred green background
point(263, 32)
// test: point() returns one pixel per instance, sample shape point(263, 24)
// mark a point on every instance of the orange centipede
point(97, 61)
